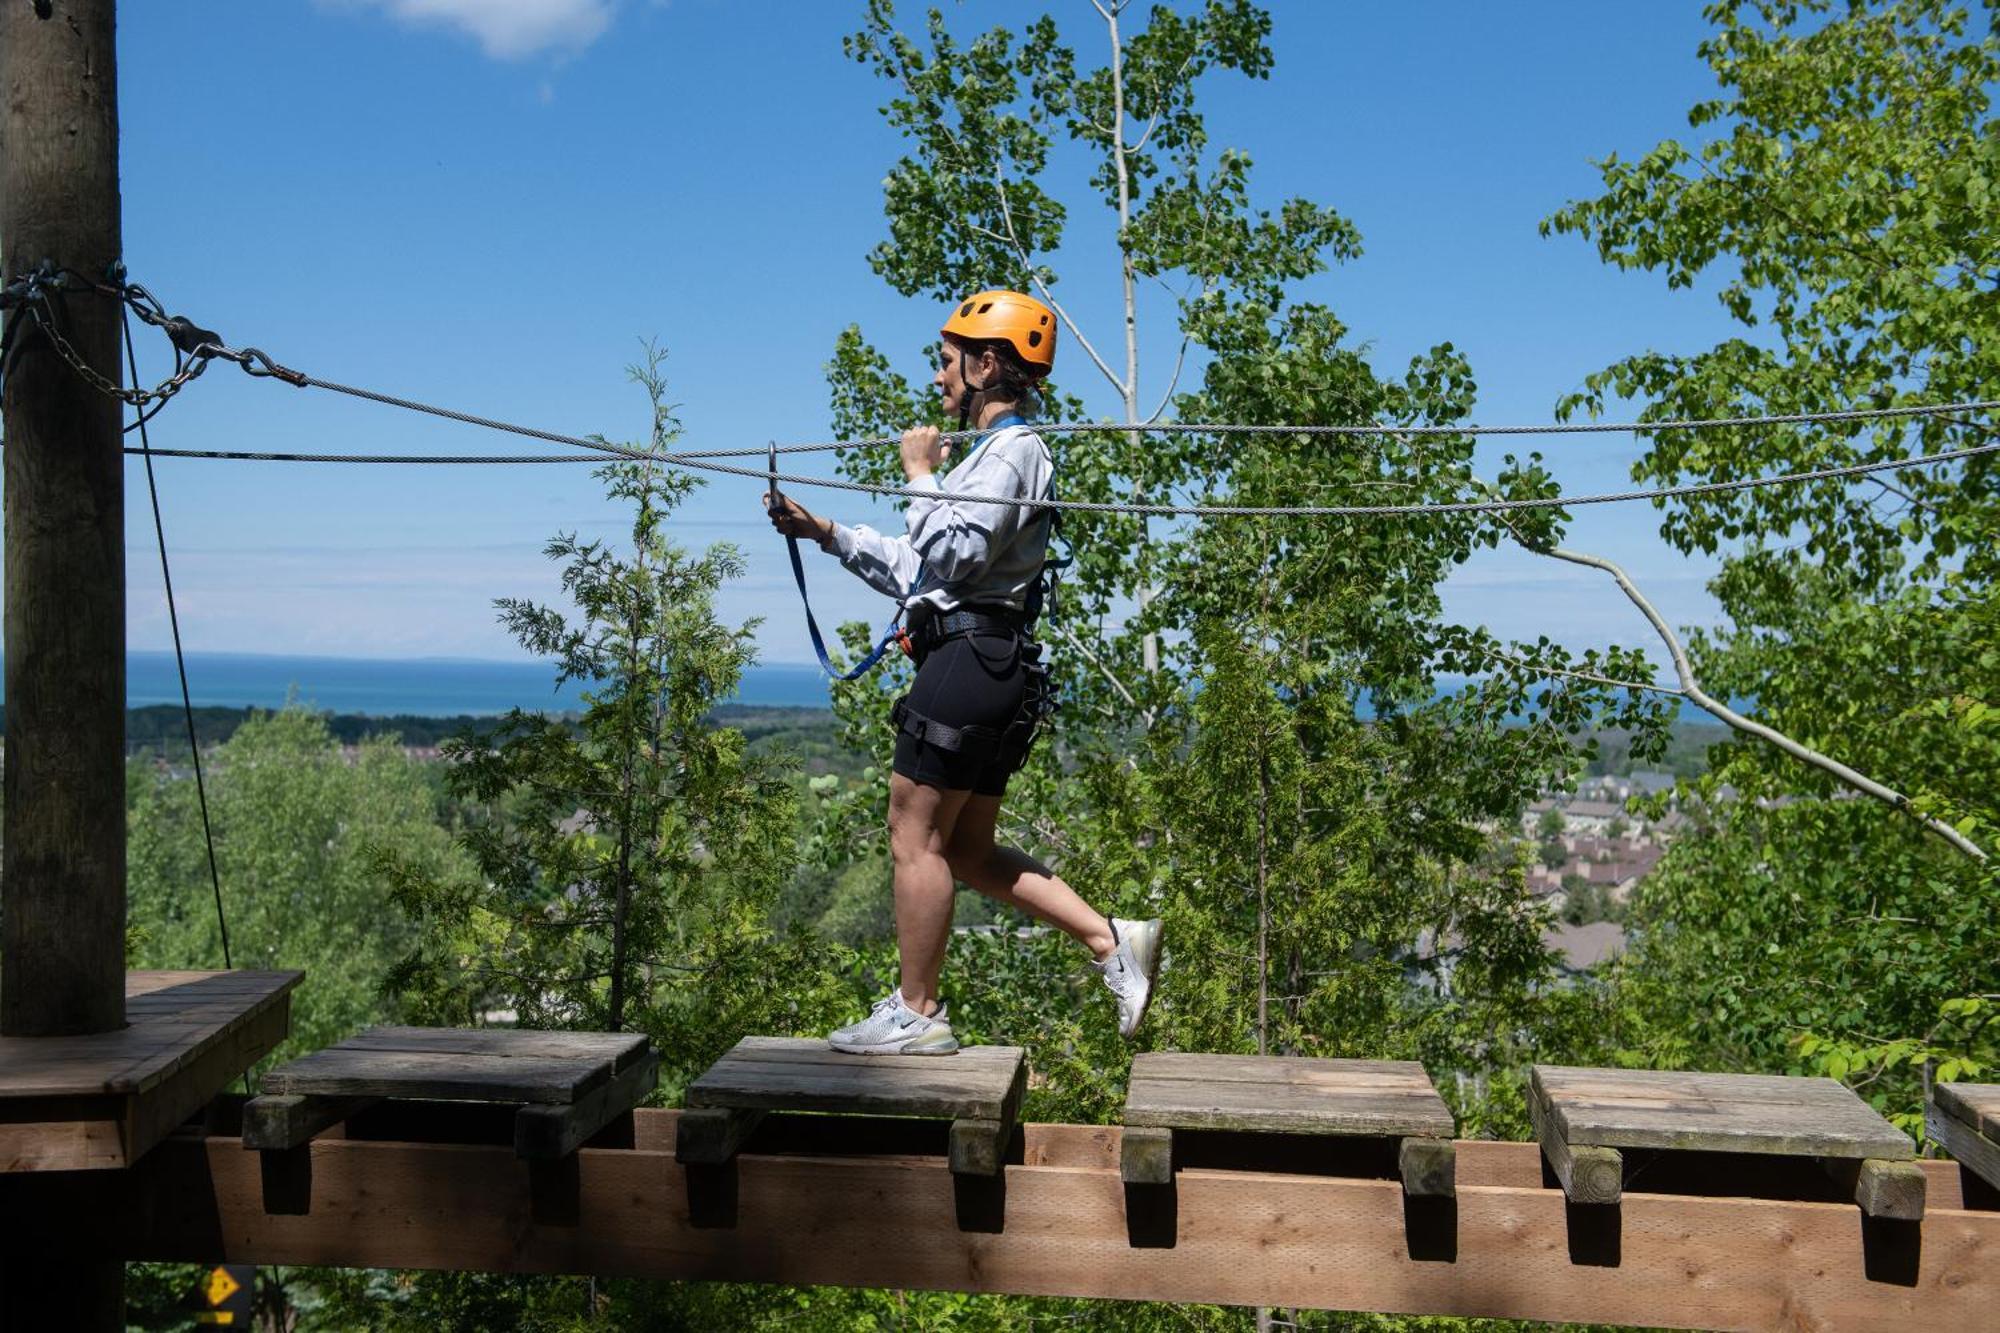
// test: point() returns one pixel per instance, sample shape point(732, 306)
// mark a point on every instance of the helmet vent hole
point(1034, 337)
point(985, 307)
point(965, 310)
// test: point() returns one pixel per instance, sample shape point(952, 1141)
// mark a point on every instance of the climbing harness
point(1009, 746)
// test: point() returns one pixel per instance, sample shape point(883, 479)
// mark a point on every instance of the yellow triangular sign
point(220, 1286)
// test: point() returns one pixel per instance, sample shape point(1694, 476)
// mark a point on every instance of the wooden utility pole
point(62, 880)
point(62, 874)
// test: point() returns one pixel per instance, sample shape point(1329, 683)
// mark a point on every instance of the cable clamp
point(266, 368)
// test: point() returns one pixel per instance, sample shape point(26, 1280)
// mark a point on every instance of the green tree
point(1841, 193)
point(298, 824)
point(974, 203)
point(623, 868)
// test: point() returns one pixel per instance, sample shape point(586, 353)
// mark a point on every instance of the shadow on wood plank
point(981, 1202)
point(711, 1194)
point(1365, 1157)
point(1152, 1216)
point(1596, 1234)
point(1979, 1196)
point(1430, 1228)
point(1892, 1250)
point(801, 1134)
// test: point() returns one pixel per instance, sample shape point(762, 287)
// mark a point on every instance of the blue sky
point(489, 203)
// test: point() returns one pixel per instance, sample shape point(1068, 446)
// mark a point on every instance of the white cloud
point(509, 29)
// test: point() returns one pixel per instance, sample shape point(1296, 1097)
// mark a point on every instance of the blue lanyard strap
point(894, 631)
point(889, 635)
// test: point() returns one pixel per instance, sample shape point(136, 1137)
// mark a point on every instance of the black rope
point(180, 660)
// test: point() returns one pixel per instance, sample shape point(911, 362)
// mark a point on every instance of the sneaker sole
point(900, 1048)
point(1149, 968)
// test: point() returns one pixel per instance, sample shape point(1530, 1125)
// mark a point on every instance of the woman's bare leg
point(1014, 877)
point(921, 822)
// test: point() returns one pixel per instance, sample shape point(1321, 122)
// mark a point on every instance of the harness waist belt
point(935, 629)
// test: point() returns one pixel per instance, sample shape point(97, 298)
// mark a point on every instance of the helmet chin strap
point(966, 396)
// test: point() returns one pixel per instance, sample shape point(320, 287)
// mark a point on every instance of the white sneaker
point(893, 1028)
point(1130, 969)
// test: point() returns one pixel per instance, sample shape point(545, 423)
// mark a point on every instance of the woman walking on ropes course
point(969, 577)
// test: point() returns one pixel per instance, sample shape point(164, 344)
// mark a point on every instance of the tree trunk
point(1149, 647)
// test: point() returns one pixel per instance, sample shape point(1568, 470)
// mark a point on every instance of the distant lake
point(423, 687)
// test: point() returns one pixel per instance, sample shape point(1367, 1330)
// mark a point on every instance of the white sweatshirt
point(960, 552)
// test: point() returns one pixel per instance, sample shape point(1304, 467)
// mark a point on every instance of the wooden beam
point(977, 1147)
point(550, 1132)
point(1428, 1166)
point(710, 1135)
point(62, 916)
point(1146, 1156)
point(1883, 1189)
point(271, 1123)
point(1979, 1154)
point(1588, 1175)
point(1243, 1238)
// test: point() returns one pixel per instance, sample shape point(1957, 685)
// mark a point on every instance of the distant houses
point(1588, 851)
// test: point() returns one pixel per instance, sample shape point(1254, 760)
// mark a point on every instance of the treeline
point(162, 728)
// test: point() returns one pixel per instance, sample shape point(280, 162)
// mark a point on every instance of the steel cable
point(258, 363)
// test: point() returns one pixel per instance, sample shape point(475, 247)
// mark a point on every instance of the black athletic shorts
point(975, 680)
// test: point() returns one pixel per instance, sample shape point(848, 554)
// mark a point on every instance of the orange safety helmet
point(1015, 318)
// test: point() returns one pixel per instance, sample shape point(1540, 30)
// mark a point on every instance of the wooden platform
point(101, 1101)
point(1585, 1117)
point(978, 1089)
point(1286, 1095)
point(1965, 1118)
point(567, 1086)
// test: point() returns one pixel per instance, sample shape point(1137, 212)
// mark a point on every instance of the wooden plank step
point(1976, 1105)
point(1290, 1095)
point(1586, 1118)
point(803, 1074)
point(618, 1048)
point(435, 1076)
point(1640, 1108)
point(1965, 1118)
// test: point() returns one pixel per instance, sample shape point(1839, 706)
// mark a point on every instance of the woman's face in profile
point(950, 378)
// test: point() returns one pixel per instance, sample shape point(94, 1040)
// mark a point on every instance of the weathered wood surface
point(1745, 1113)
point(274, 1122)
point(1976, 1105)
point(557, 1131)
point(1429, 1167)
point(977, 1147)
point(173, 1018)
point(1978, 1153)
point(710, 1135)
point(452, 1064)
point(100, 1102)
point(1284, 1094)
point(1146, 1156)
point(802, 1074)
point(1883, 1189)
point(1243, 1238)
point(618, 1049)
point(1587, 1174)
point(62, 918)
